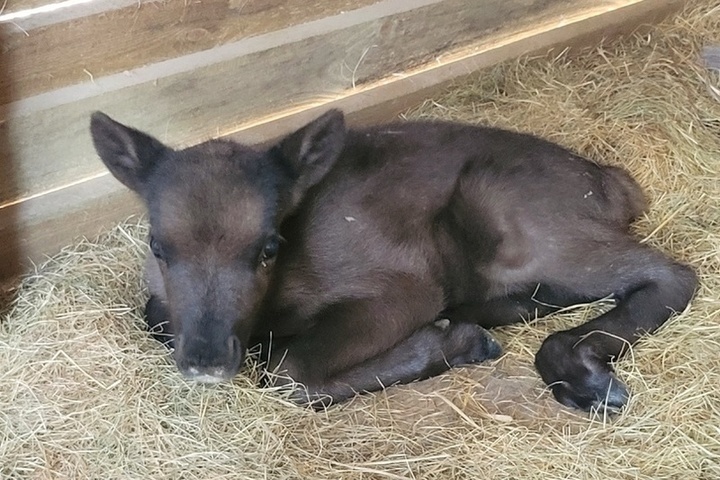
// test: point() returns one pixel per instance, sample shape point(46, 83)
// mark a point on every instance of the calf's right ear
point(128, 153)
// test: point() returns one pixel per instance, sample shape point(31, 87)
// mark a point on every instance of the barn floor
point(85, 393)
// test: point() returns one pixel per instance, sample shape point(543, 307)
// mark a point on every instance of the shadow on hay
point(10, 265)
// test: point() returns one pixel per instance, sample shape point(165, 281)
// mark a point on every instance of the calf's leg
point(365, 344)
point(535, 301)
point(648, 288)
point(427, 352)
point(157, 319)
point(157, 316)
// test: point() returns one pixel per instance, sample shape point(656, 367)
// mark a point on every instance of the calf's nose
point(206, 361)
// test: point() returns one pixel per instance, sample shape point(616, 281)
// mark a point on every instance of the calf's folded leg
point(648, 288)
point(364, 344)
point(428, 352)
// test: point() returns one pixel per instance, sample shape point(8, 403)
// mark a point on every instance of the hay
point(84, 393)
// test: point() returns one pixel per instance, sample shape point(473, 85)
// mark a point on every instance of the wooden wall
point(253, 69)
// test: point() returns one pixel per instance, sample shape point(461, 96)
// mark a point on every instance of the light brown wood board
point(44, 223)
point(193, 97)
point(44, 54)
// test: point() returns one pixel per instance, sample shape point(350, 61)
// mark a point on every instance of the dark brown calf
point(380, 256)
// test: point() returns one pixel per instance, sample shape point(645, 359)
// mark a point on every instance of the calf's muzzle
point(208, 360)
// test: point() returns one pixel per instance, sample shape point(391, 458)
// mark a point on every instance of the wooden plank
point(12, 255)
point(30, 230)
point(194, 101)
point(45, 223)
point(12, 6)
point(26, 15)
point(121, 39)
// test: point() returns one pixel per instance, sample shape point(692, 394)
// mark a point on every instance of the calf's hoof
point(577, 376)
point(467, 343)
point(600, 392)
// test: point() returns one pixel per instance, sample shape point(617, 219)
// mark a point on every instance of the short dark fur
point(380, 256)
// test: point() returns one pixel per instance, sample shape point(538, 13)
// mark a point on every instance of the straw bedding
point(85, 393)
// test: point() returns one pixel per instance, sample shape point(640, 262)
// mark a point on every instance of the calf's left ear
point(310, 152)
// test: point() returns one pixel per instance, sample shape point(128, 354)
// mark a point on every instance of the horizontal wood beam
point(43, 223)
point(197, 96)
point(104, 37)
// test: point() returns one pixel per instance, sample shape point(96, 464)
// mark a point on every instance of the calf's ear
point(310, 152)
point(128, 153)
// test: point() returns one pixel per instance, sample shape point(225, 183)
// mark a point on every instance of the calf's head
point(215, 210)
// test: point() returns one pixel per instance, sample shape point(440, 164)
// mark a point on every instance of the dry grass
point(84, 393)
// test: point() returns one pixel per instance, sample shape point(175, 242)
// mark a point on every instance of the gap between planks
point(41, 223)
point(446, 68)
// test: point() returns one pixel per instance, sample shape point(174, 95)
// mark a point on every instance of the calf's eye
point(156, 248)
point(270, 250)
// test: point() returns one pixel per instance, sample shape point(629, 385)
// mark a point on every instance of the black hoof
point(468, 343)
point(599, 394)
point(577, 376)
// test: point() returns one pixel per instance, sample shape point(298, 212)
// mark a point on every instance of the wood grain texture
point(18, 5)
point(61, 54)
point(26, 15)
point(11, 253)
point(52, 145)
point(43, 224)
